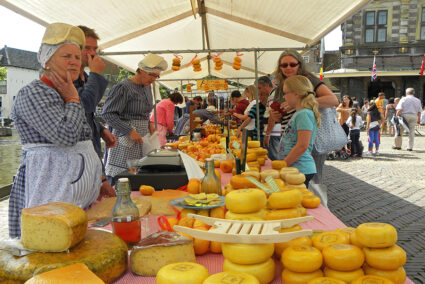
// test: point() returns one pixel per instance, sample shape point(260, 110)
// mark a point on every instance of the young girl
point(354, 122)
point(298, 138)
point(374, 120)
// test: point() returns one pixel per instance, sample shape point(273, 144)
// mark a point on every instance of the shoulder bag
point(329, 136)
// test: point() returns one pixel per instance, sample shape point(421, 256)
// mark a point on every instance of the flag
point(373, 69)
point(321, 73)
point(422, 66)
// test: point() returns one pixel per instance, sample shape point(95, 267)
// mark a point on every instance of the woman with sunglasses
point(291, 63)
point(127, 109)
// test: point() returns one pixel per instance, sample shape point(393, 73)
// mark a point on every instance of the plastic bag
point(150, 142)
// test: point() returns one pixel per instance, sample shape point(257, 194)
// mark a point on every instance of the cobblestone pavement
point(387, 188)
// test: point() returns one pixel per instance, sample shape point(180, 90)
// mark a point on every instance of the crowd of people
point(61, 136)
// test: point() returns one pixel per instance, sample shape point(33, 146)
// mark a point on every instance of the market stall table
point(323, 220)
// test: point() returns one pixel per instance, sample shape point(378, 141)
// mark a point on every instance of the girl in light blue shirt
point(298, 138)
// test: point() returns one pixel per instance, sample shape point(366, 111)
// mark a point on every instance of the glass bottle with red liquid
point(125, 215)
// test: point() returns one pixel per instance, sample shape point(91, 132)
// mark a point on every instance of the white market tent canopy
point(195, 27)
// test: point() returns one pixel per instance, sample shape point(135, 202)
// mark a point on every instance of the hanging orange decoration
point(225, 85)
point(189, 88)
point(196, 64)
point(176, 62)
point(237, 63)
point(218, 62)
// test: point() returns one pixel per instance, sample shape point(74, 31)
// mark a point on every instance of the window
point(423, 24)
point(375, 26)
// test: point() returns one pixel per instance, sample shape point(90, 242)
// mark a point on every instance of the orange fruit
point(216, 163)
point(186, 222)
point(173, 221)
point(215, 247)
point(201, 246)
point(146, 189)
point(194, 186)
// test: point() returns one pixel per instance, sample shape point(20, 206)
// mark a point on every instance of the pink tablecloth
point(323, 220)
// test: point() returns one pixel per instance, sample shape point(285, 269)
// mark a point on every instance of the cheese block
point(160, 201)
point(291, 277)
point(231, 277)
point(105, 254)
point(343, 257)
point(103, 208)
point(385, 258)
point(71, 274)
point(264, 271)
point(376, 235)
point(302, 259)
point(372, 279)
point(52, 227)
point(158, 250)
point(246, 200)
point(397, 276)
point(182, 273)
point(247, 253)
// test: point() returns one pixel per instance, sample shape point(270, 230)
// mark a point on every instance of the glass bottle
point(125, 215)
point(210, 183)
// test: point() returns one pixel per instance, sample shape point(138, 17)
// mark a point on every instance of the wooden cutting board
point(103, 209)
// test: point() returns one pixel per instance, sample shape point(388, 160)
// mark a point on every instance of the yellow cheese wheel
point(347, 276)
point(261, 161)
point(261, 151)
point(182, 273)
point(310, 201)
point(280, 183)
point(254, 144)
point(343, 257)
point(251, 157)
point(253, 174)
point(372, 279)
point(105, 254)
point(354, 241)
point(254, 216)
point(325, 280)
point(398, 276)
point(246, 200)
point(301, 241)
point(278, 164)
point(326, 239)
point(290, 277)
point(285, 199)
point(376, 235)
point(266, 173)
point(231, 277)
point(346, 230)
point(302, 259)
point(263, 271)
point(75, 273)
point(294, 178)
point(277, 214)
point(247, 253)
point(385, 258)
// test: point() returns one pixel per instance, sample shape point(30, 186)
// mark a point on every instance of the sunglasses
point(154, 75)
point(292, 64)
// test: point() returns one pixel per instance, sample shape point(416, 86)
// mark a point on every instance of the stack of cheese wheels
point(254, 259)
point(246, 204)
point(343, 261)
point(302, 264)
point(285, 205)
point(182, 273)
point(255, 156)
point(301, 241)
point(383, 257)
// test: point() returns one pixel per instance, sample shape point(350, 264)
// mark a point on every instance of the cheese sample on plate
point(158, 250)
point(53, 227)
point(75, 273)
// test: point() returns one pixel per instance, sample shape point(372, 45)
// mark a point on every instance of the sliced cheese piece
point(376, 235)
point(292, 277)
point(246, 200)
point(182, 273)
point(105, 254)
point(71, 274)
point(247, 253)
point(385, 258)
point(231, 277)
point(264, 271)
point(158, 250)
point(302, 258)
point(53, 227)
point(343, 257)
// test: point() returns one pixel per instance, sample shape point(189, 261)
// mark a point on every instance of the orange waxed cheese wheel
point(292, 277)
point(302, 258)
point(385, 258)
point(310, 201)
point(372, 279)
point(397, 276)
point(237, 59)
point(343, 257)
point(278, 164)
point(347, 276)
point(238, 182)
point(326, 239)
point(376, 235)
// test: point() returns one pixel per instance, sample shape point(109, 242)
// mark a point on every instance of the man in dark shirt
point(240, 104)
point(91, 89)
point(196, 101)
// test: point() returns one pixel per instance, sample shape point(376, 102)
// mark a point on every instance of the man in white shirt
point(409, 108)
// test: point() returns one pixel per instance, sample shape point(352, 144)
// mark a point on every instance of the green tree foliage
point(3, 73)
point(124, 73)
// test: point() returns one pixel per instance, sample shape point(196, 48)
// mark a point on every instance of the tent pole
point(258, 101)
point(154, 106)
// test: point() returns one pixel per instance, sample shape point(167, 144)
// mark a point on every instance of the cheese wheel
point(182, 273)
point(398, 276)
point(254, 144)
point(264, 271)
point(326, 280)
point(385, 258)
point(346, 230)
point(254, 216)
point(247, 253)
point(251, 157)
point(253, 174)
point(326, 239)
point(53, 227)
point(277, 214)
point(261, 161)
point(278, 164)
point(75, 273)
point(295, 178)
point(347, 276)
point(285, 199)
point(238, 182)
point(310, 201)
point(376, 235)
point(279, 248)
point(302, 259)
point(231, 277)
point(266, 173)
point(354, 241)
point(246, 200)
point(343, 257)
point(290, 277)
point(261, 151)
point(280, 183)
point(372, 279)
point(105, 254)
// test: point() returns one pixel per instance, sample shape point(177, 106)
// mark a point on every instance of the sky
point(22, 33)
